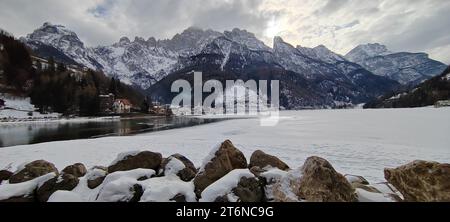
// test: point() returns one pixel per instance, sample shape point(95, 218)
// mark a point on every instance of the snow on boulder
point(263, 160)
point(78, 170)
point(121, 190)
point(136, 160)
point(179, 165)
point(222, 160)
point(354, 179)
point(65, 197)
point(123, 186)
point(237, 186)
point(23, 192)
point(273, 175)
point(95, 177)
point(64, 182)
point(421, 181)
point(33, 170)
point(282, 186)
point(167, 189)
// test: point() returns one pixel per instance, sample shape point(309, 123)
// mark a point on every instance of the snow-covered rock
point(168, 189)
point(135, 160)
point(180, 166)
point(23, 191)
point(78, 170)
point(263, 160)
point(123, 186)
point(282, 186)
point(221, 160)
point(30, 171)
point(95, 178)
point(224, 189)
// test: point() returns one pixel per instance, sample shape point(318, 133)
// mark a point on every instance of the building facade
point(122, 106)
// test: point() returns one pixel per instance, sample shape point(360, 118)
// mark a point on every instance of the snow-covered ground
point(360, 142)
point(19, 109)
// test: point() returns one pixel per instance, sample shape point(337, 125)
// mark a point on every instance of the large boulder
point(263, 160)
point(131, 161)
point(321, 183)
point(33, 170)
point(421, 181)
point(219, 163)
point(237, 186)
point(66, 182)
point(179, 165)
point(78, 170)
point(5, 175)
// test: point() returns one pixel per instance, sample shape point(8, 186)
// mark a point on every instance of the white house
point(122, 106)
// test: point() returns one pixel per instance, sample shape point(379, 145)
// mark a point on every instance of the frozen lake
point(361, 142)
point(24, 133)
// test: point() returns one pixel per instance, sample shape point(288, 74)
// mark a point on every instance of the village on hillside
point(16, 106)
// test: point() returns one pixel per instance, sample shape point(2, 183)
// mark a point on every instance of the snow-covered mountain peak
point(63, 40)
point(246, 38)
point(277, 40)
point(55, 35)
point(190, 41)
point(321, 53)
point(365, 51)
point(280, 45)
point(141, 40)
point(152, 42)
point(124, 41)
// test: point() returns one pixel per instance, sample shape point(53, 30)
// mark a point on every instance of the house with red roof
point(121, 106)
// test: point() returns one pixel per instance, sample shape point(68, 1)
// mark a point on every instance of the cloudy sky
point(402, 25)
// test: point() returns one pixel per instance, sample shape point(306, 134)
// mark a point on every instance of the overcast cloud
point(402, 25)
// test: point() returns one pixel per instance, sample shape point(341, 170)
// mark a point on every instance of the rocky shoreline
point(224, 176)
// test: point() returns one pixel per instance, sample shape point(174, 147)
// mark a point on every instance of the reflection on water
point(31, 133)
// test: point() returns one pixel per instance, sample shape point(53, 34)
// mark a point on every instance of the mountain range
point(310, 77)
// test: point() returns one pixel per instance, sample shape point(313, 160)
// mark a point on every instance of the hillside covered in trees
point(53, 86)
point(425, 94)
